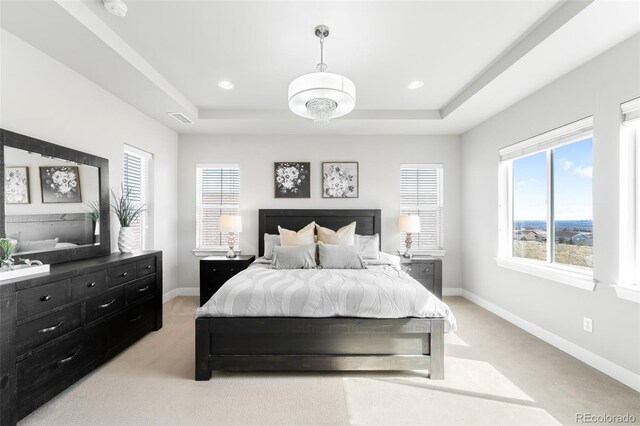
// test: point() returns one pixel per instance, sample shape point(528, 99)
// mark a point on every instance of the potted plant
point(93, 208)
point(7, 247)
point(127, 212)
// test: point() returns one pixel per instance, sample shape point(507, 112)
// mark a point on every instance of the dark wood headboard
point(368, 222)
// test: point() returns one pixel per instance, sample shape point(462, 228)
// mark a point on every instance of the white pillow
point(303, 237)
point(368, 246)
point(270, 241)
point(343, 236)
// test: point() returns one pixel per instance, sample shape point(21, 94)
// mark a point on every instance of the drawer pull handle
point(144, 289)
point(45, 298)
point(408, 269)
point(148, 267)
point(214, 269)
point(138, 318)
point(231, 269)
point(69, 358)
point(48, 329)
point(106, 305)
point(426, 270)
point(91, 284)
point(124, 274)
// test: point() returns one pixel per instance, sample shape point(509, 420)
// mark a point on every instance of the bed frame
point(315, 344)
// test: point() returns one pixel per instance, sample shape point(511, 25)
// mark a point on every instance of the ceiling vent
point(116, 7)
point(180, 117)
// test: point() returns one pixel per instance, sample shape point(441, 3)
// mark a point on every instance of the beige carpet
point(495, 374)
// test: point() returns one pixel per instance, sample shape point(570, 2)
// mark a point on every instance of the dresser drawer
point(104, 304)
point(146, 267)
point(43, 330)
point(141, 289)
point(122, 274)
point(420, 269)
point(131, 323)
point(41, 299)
point(88, 285)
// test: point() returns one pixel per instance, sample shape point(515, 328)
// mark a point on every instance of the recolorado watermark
point(587, 418)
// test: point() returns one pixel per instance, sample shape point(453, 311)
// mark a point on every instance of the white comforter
point(380, 291)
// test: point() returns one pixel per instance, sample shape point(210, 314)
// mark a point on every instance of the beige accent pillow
point(303, 237)
point(343, 236)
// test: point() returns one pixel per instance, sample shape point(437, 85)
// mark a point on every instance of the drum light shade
point(322, 85)
point(409, 223)
point(230, 223)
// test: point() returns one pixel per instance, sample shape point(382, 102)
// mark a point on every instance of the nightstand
point(216, 270)
point(427, 271)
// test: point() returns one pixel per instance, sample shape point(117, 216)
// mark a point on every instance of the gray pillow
point(334, 256)
point(294, 257)
point(38, 245)
point(270, 241)
point(368, 246)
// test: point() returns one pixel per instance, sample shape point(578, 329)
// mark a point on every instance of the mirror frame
point(27, 143)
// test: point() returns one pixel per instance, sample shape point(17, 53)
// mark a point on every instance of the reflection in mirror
point(50, 203)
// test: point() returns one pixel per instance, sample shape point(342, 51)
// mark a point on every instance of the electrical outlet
point(587, 324)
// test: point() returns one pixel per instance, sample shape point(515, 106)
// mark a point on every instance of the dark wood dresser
point(427, 271)
point(58, 326)
point(216, 270)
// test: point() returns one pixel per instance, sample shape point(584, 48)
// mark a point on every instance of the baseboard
point(456, 291)
point(190, 291)
point(609, 368)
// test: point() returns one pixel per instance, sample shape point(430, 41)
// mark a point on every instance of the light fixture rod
point(322, 32)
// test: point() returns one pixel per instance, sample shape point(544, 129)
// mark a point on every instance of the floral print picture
point(60, 184)
point(16, 185)
point(292, 180)
point(340, 180)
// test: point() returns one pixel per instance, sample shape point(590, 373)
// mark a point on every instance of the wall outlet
point(587, 324)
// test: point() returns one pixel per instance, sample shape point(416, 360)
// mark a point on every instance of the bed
point(281, 343)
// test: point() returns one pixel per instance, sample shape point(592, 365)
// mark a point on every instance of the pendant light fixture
point(322, 95)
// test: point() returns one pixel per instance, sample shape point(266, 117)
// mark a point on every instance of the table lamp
point(409, 224)
point(231, 225)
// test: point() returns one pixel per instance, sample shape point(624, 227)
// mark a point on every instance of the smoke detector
point(116, 7)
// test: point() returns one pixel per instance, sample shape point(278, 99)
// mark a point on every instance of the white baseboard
point(190, 291)
point(456, 291)
point(609, 368)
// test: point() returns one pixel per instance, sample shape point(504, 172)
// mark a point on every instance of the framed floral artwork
point(60, 184)
point(292, 180)
point(16, 185)
point(340, 179)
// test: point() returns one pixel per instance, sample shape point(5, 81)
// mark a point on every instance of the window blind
point(136, 181)
point(630, 110)
point(217, 193)
point(564, 135)
point(421, 194)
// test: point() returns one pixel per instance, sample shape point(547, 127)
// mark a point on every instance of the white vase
point(127, 241)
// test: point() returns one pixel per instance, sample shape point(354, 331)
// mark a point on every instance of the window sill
point(628, 292)
point(203, 252)
point(574, 279)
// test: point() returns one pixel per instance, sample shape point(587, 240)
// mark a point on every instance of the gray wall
point(596, 88)
point(379, 157)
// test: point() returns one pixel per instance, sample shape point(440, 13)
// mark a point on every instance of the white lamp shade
point(322, 85)
point(230, 223)
point(409, 223)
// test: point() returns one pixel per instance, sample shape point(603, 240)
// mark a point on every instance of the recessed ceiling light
point(227, 85)
point(116, 7)
point(415, 85)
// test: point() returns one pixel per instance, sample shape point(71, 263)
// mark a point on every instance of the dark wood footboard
point(315, 344)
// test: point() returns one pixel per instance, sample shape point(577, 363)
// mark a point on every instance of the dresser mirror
point(56, 200)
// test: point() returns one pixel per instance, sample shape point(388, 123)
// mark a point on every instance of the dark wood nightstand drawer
point(419, 269)
point(45, 329)
point(146, 267)
point(141, 289)
point(216, 270)
point(122, 274)
point(129, 324)
point(88, 285)
point(41, 299)
point(104, 304)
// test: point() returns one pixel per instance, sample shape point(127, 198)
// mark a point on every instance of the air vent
point(180, 117)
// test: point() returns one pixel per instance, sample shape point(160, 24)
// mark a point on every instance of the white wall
point(42, 98)
point(596, 88)
point(379, 157)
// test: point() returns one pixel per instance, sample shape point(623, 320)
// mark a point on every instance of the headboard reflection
point(368, 222)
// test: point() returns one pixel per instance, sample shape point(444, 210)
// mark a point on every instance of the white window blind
point(630, 194)
point(421, 194)
point(217, 193)
point(136, 181)
point(630, 110)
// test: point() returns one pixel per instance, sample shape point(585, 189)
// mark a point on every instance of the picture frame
point(16, 185)
point(60, 184)
point(340, 179)
point(292, 179)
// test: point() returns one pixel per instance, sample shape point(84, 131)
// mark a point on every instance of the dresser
point(216, 270)
point(58, 326)
point(427, 271)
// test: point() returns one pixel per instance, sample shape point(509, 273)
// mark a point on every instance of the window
point(217, 193)
point(421, 194)
point(136, 180)
point(546, 207)
point(629, 273)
